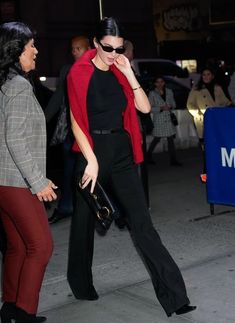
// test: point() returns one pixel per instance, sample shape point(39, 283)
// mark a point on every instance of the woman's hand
point(165, 107)
point(90, 174)
point(47, 194)
point(91, 170)
point(141, 100)
point(123, 64)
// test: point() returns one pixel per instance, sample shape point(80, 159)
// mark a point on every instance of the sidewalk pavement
point(204, 249)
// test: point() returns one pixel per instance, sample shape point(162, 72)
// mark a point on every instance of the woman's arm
point(91, 170)
point(17, 122)
point(141, 100)
point(154, 102)
point(192, 104)
point(221, 97)
point(170, 100)
point(158, 105)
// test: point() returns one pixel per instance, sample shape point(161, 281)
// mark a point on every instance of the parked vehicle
point(149, 68)
point(180, 91)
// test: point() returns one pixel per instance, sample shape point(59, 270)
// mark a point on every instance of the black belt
point(106, 131)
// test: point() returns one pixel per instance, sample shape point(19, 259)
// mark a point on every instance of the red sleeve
point(77, 93)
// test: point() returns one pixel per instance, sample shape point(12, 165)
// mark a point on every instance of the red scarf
point(78, 83)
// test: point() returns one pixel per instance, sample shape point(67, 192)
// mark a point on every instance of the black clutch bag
point(99, 203)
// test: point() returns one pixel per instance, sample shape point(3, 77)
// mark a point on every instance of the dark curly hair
point(109, 26)
point(13, 38)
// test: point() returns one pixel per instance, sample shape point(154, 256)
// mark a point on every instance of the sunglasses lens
point(120, 50)
point(107, 49)
point(110, 49)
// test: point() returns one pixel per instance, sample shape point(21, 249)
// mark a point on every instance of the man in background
point(59, 100)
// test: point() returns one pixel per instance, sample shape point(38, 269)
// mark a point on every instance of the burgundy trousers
point(29, 246)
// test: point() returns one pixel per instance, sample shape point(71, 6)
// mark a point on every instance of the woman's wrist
point(132, 79)
point(91, 159)
point(137, 88)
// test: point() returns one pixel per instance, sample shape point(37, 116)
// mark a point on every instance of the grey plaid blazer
point(22, 136)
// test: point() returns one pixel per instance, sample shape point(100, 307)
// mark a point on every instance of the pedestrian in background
point(162, 102)
point(104, 95)
point(23, 182)
point(207, 93)
point(59, 100)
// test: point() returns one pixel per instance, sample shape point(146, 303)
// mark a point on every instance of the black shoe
point(24, 317)
point(121, 223)
point(9, 312)
point(91, 296)
point(185, 309)
point(57, 216)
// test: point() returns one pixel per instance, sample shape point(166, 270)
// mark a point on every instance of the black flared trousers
point(118, 172)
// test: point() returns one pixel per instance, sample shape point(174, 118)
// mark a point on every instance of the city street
point(86, 66)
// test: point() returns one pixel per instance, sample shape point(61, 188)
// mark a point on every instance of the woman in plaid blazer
point(162, 102)
point(23, 182)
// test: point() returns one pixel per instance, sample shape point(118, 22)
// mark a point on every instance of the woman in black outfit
point(104, 95)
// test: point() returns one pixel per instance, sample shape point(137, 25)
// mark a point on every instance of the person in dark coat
point(59, 100)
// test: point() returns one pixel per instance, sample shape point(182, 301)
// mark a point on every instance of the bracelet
point(137, 88)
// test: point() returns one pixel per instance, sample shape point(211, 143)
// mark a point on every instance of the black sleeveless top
point(105, 101)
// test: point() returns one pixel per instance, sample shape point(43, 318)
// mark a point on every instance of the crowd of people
point(98, 103)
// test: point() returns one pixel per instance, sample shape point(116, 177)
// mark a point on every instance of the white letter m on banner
point(228, 160)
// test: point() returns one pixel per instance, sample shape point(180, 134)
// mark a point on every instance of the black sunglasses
point(110, 49)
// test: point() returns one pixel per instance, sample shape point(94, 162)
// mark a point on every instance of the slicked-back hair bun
point(109, 26)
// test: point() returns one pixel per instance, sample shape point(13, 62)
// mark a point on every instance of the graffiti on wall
point(181, 18)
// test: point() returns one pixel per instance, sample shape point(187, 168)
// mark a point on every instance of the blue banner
point(219, 136)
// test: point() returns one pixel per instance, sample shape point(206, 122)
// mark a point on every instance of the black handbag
point(99, 203)
point(62, 126)
point(173, 119)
